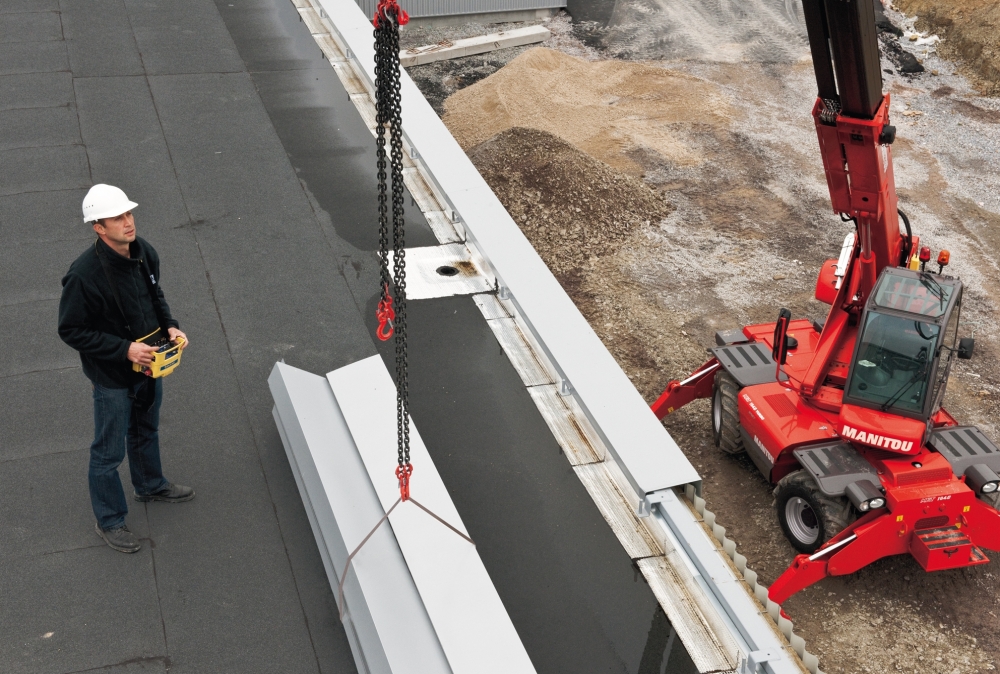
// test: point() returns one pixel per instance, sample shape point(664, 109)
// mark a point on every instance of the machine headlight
point(864, 495)
point(981, 479)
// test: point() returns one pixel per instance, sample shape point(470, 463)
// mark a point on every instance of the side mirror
point(965, 347)
point(780, 349)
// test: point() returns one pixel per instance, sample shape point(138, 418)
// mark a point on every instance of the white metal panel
point(423, 280)
point(471, 46)
point(392, 633)
point(470, 620)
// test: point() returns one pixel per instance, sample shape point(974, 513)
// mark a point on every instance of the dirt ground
point(725, 138)
point(970, 35)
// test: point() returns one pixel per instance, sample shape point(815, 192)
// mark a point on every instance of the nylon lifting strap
point(392, 321)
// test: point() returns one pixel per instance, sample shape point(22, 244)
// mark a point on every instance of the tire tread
point(729, 440)
point(835, 513)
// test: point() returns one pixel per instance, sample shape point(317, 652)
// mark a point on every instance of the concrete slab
point(30, 27)
point(59, 210)
point(38, 127)
point(100, 39)
point(126, 148)
point(33, 57)
point(182, 36)
point(36, 90)
point(45, 413)
point(43, 169)
point(85, 609)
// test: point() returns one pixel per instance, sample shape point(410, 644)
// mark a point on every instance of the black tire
point(726, 414)
point(808, 518)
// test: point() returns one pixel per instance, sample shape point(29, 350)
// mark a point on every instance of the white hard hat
point(105, 201)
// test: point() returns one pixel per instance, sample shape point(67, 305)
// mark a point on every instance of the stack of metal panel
point(416, 597)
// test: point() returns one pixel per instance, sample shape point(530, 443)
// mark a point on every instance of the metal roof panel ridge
point(387, 624)
point(470, 620)
point(648, 456)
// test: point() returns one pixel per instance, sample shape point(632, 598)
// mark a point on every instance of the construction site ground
point(661, 157)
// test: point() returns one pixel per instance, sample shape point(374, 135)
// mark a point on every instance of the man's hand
point(141, 353)
point(174, 333)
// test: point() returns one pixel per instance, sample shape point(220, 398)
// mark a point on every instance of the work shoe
point(120, 539)
point(172, 493)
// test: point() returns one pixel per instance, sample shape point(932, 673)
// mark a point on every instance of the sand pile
point(608, 109)
point(569, 205)
point(970, 32)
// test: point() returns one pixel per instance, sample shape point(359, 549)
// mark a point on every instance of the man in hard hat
point(111, 300)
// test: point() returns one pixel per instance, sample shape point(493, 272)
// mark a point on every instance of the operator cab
point(909, 318)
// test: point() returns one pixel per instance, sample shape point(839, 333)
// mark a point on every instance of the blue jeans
point(121, 426)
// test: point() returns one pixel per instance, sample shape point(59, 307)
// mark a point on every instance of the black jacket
point(90, 320)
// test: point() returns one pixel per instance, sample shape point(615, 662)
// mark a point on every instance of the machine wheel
point(807, 516)
point(726, 414)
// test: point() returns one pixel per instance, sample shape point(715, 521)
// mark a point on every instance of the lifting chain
point(392, 320)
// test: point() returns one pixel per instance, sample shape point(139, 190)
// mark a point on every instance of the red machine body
point(848, 422)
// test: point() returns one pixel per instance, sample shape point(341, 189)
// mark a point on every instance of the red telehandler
point(845, 416)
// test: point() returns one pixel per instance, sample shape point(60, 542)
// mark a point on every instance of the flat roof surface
point(254, 176)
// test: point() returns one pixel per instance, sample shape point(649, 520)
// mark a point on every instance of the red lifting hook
point(385, 315)
point(384, 6)
point(403, 473)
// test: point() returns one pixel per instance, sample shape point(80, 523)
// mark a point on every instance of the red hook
point(403, 475)
point(384, 6)
point(385, 315)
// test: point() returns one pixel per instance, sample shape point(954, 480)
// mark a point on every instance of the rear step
point(945, 548)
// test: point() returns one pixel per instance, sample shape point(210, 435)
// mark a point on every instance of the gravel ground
point(731, 147)
point(441, 79)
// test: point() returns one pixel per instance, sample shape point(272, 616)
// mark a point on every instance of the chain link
point(388, 114)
